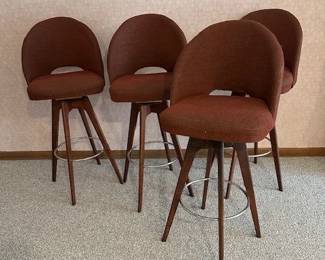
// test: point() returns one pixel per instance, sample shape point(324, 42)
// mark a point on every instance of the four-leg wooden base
point(144, 109)
point(83, 105)
point(216, 148)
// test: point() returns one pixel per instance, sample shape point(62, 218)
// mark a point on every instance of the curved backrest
point(148, 40)
point(287, 29)
point(59, 42)
point(241, 56)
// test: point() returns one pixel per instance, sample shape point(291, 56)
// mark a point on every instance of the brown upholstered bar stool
point(149, 40)
point(60, 42)
point(240, 56)
point(286, 27)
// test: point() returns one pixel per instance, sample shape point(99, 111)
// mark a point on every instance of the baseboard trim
point(120, 154)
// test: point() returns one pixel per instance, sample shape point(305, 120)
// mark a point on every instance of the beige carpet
point(38, 222)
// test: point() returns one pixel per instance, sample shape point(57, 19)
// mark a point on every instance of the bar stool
point(60, 42)
point(287, 29)
point(240, 56)
point(148, 40)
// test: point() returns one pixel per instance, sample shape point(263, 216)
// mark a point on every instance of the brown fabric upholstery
point(60, 42)
point(230, 119)
point(65, 85)
point(287, 82)
point(141, 87)
point(287, 29)
point(149, 40)
point(241, 56)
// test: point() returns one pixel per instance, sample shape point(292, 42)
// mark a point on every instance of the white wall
point(25, 125)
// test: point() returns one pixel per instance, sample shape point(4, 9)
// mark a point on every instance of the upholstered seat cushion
point(220, 118)
point(141, 87)
point(65, 85)
point(287, 80)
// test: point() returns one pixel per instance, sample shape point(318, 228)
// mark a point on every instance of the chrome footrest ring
point(188, 210)
point(261, 154)
point(79, 140)
point(151, 166)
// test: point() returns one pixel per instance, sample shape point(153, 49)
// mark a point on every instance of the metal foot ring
point(215, 218)
point(151, 166)
point(261, 154)
point(78, 140)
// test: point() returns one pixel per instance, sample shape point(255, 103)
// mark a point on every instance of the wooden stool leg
point(55, 135)
point(255, 151)
point(144, 111)
point(231, 173)
point(221, 216)
point(164, 137)
point(210, 158)
point(276, 157)
point(241, 150)
point(92, 116)
point(65, 116)
point(92, 143)
point(180, 159)
point(183, 176)
point(132, 125)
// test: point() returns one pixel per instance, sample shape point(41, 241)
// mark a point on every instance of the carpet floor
point(38, 222)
